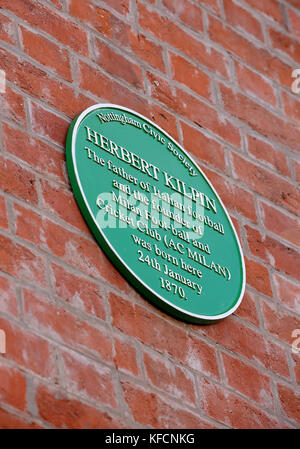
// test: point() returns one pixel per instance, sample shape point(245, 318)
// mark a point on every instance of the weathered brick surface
point(84, 350)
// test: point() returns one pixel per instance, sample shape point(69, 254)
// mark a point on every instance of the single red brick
point(242, 19)
point(257, 57)
point(230, 409)
point(267, 154)
point(117, 65)
point(288, 292)
point(17, 181)
point(48, 125)
point(160, 89)
point(297, 170)
point(248, 380)
point(21, 262)
point(34, 152)
point(291, 106)
point(12, 386)
point(82, 376)
point(258, 276)
point(149, 409)
point(294, 19)
point(147, 50)
point(256, 243)
point(47, 19)
point(29, 225)
point(296, 363)
point(3, 213)
point(167, 31)
point(7, 30)
point(285, 43)
point(247, 309)
point(186, 73)
point(191, 15)
point(279, 322)
point(253, 83)
point(9, 303)
point(65, 412)
point(270, 8)
point(204, 148)
point(267, 184)
point(237, 226)
point(12, 106)
point(28, 350)
point(61, 202)
point(187, 12)
point(164, 119)
point(170, 378)
point(11, 421)
point(102, 20)
point(64, 326)
point(289, 401)
point(201, 357)
point(78, 291)
point(276, 359)
point(50, 55)
point(286, 227)
point(125, 357)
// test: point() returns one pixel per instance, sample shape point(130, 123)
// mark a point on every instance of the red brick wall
point(83, 348)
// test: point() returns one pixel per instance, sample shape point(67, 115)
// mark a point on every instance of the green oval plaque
point(155, 214)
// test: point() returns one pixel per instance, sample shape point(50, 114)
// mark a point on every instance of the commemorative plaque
point(155, 214)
